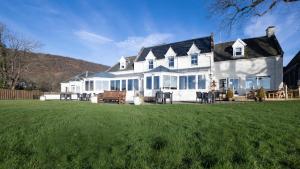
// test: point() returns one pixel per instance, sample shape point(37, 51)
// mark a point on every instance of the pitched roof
point(160, 69)
point(256, 47)
point(294, 61)
point(102, 74)
point(79, 76)
point(130, 65)
point(180, 48)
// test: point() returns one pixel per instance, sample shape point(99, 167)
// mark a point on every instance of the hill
point(46, 71)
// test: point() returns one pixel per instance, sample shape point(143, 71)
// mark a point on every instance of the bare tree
point(233, 11)
point(12, 49)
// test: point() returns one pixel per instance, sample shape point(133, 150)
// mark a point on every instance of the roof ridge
point(241, 39)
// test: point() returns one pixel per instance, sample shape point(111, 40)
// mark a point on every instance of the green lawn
point(52, 134)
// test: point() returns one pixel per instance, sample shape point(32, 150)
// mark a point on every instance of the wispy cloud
point(92, 37)
point(136, 42)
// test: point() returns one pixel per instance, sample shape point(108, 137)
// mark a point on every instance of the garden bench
point(114, 96)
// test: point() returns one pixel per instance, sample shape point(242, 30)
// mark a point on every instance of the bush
point(261, 94)
point(229, 94)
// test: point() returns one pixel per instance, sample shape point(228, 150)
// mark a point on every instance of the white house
point(186, 67)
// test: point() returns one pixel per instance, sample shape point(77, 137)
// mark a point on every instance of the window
point(89, 85)
point(169, 82)
point(130, 84)
point(123, 85)
point(251, 83)
point(182, 82)
point(101, 85)
point(264, 81)
point(223, 84)
point(149, 82)
point(136, 84)
point(194, 59)
point(156, 82)
point(201, 82)
point(238, 51)
point(118, 85)
point(150, 62)
point(171, 61)
point(112, 85)
point(192, 82)
point(234, 84)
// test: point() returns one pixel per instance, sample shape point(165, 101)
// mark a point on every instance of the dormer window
point(150, 64)
point(123, 63)
point(238, 48)
point(238, 51)
point(171, 61)
point(194, 59)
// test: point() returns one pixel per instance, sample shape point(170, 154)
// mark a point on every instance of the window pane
point(112, 85)
point(130, 84)
point(149, 82)
point(156, 82)
point(192, 82)
point(264, 82)
point(194, 59)
point(201, 82)
point(123, 85)
point(166, 81)
point(250, 83)
point(98, 85)
point(173, 82)
point(136, 84)
point(105, 85)
point(234, 84)
point(86, 85)
point(182, 82)
point(223, 84)
point(150, 64)
point(117, 84)
point(91, 85)
point(171, 62)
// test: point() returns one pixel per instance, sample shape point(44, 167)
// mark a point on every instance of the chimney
point(270, 31)
point(86, 73)
point(212, 43)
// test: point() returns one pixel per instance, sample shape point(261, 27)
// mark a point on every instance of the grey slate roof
point(130, 65)
point(180, 48)
point(79, 76)
point(161, 69)
point(102, 74)
point(256, 47)
point(164, 69)
point(294, 61)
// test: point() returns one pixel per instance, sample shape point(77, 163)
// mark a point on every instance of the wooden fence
point(6, 94)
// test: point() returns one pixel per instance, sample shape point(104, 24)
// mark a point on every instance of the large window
point(264, 81)
point(169, 82)
point(130, 85)
point(182, 82)
point(123, 85)
point(101, 85)
point(156, 82)
point(136, 84)
point(251, 83)
point(171, 61)
point(89, 85)
point(150, 62)
point(234, 84)
point(201, 82)
point(149, 82)
point(194, 59)
point(115, 85)
point(192, 82)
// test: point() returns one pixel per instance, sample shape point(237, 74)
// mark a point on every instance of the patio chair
point(205, 97)
point(159, 97)
point(168, 95)
point(199, 95)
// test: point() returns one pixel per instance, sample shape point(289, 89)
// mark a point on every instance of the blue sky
point(102, 31)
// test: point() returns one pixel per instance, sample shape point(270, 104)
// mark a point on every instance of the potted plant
point(229, 95)
point(261, 94)
point(137, 99)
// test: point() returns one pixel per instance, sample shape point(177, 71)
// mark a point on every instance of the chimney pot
point(270, 31)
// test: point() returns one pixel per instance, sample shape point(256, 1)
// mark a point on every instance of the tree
point(233, 11)
point(12, 49)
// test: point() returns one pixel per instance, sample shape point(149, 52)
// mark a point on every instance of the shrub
point(229, 94)
point(261, 94)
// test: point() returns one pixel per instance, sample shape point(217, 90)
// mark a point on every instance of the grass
point(52, 134)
